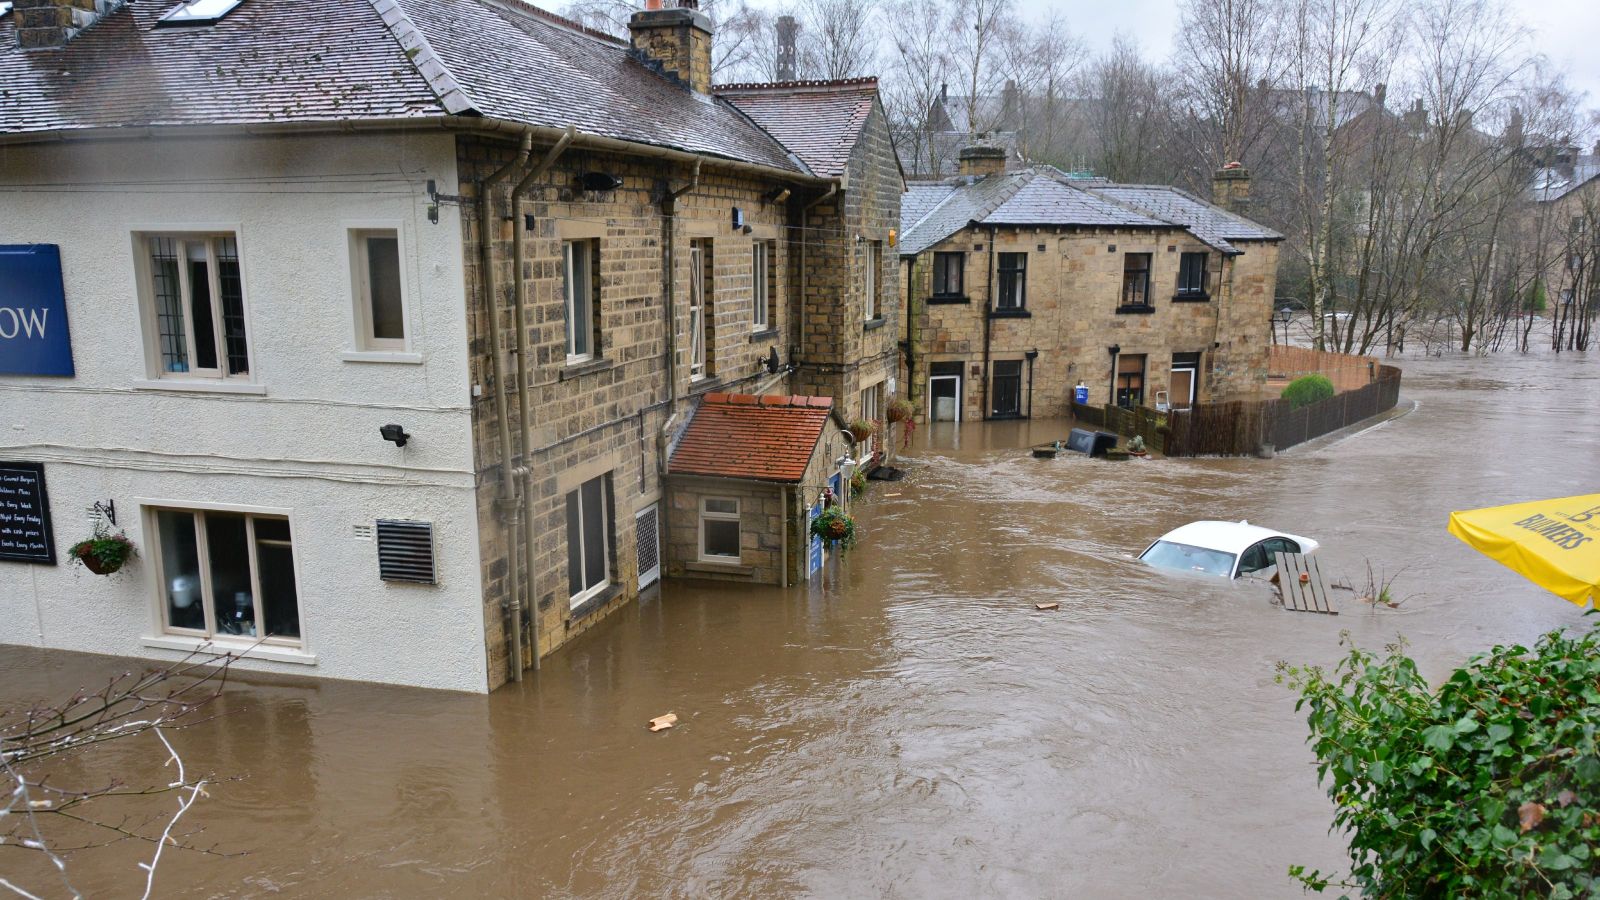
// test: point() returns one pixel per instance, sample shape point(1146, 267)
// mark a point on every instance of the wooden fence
point(1240, 428)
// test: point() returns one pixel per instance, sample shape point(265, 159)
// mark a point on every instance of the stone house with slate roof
point(1023, 285)
point(385, 321)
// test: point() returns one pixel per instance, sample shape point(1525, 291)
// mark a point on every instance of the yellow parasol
point(1553, 543)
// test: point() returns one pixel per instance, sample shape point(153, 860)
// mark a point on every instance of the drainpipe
point(507, 492)
point(988, 319)
point(1114, 350)
point(1031, 355)
point(804, 212)
point(519, 235)
point(669, 234)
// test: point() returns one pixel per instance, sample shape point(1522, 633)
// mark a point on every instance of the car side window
point(1255, 559)
point(1280, 545)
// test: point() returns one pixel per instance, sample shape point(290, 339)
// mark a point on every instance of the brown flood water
point(910, 726)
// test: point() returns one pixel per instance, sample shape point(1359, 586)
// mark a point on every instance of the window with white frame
point(380, 295)
point(870, 281)
point(197, 299)
point(761, 253)
point(719, 529)
point(701, 327)
point(580, 268)
point(225, 574)
point(589, 540)
point(870, 413)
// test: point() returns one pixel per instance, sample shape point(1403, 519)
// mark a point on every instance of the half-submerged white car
point(1229, 549)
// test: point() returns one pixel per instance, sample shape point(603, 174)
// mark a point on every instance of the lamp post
point(1285, 314)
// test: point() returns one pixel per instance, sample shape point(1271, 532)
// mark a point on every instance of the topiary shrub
point(1488, 786)
point(1308, 389)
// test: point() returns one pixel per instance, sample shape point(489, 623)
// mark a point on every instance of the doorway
point(1185, 379)
point(944, 392)
point(1130, 380)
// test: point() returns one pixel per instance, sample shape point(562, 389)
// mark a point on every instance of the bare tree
point(976, 30)
point(842, 36)
point(45, 817)
point(1129, 118)
point(1038, 60)
point(1230, 60)
point(917, 72)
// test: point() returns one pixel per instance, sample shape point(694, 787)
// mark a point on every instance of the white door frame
point(1194, 386)
point(931, 380)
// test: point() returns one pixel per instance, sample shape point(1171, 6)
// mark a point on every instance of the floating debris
point(662, 723)
point(1049, 604)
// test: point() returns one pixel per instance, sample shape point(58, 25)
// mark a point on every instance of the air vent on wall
point(405, 551)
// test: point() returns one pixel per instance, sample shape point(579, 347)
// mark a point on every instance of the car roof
point(1230, 537)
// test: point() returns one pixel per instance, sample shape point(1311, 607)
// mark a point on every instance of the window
point(949, 271)
point(719, 529)
point(227, 573)
point(1192, 275)
point(198, 298)
point(589, 539)
point(380, 301)
point(198, 12)
point(580, 265)
point(701, 328)
point(1007, 388)
point(1130, 380)
point(762, 284)
point(870, 411)
point(870, 282)
point(1254, 559)
point(1013, 281)
point(1136, 279)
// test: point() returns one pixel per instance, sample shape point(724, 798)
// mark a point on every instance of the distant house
point(390, 321)
point(930, 149)
point(1562, 227)
point(1025, 284)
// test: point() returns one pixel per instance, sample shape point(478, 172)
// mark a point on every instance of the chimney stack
point(1230, 188)
point(46, 24)
point(677, 41)
point(788, 39)
point(981, 160)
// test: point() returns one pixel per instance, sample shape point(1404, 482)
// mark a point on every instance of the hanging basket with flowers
point(900, 410)
point(105, 553)
point(835, 526)
point(863, 429)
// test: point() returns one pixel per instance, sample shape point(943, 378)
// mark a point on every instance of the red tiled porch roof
point(749, 437)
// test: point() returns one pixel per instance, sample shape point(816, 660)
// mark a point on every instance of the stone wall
point(1073, 295)
point(604, 416)
point(841, 351)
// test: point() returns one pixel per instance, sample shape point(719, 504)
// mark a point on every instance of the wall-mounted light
point(395, 434)
point(894, 237)
point(599, 181)
point(777, 196)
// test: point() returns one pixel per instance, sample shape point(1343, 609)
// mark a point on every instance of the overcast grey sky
point(1566, 31)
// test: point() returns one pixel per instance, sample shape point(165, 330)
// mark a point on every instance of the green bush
point(1307, 389)
point(1488, 786)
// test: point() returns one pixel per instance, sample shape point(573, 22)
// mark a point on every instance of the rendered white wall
point(310, 444)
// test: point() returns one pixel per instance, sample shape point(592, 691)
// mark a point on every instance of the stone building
point(1022, 285)
point(412, 300)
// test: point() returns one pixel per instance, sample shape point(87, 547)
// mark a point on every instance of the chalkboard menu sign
point(25, 514)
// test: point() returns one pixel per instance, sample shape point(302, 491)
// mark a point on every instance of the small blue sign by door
point(814, 558)
point(33, 312)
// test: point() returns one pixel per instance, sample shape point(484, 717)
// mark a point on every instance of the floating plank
point(1302, 585)
point(1049, 604)
point(662, 723)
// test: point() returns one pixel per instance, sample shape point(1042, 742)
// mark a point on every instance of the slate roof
point(820, 121)
point(752, 438)
point(290, 61)
point(1550, 184)
point(1043, 195)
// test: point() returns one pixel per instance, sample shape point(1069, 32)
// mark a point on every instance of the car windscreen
point(1186, 558)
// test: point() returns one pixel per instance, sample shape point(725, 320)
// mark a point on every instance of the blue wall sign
point(33, 312)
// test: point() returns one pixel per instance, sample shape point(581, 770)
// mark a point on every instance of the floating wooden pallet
point(1310, 595)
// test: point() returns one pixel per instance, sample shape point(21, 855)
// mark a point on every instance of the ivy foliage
point(1308, 389)
point(1488, 786)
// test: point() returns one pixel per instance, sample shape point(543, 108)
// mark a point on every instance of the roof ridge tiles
point(440, 79)
point(801, 83)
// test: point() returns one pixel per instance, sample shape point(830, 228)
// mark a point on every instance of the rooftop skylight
point(198, 12)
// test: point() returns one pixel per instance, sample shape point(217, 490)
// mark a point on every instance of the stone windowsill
point(202, 386)
point(593, 605)
point(1010, 314)
point(1191, 298)
point(718, 568)
point(952, 299)
point(763, 335)
point(874, 324)
point(247, 649)
point(396, 357)
point(704, 385)
point(1135, 310)
point(573, 370)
